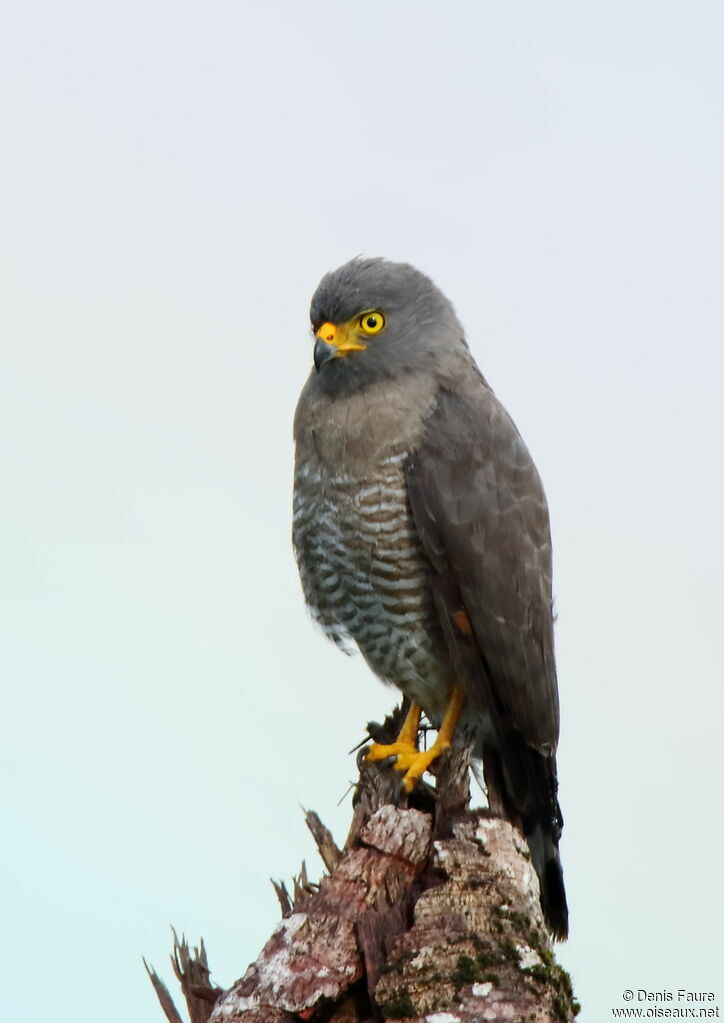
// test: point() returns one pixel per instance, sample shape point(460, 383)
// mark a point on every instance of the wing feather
point(480, 509)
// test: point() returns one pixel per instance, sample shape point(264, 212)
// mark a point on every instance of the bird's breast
point(364, 573)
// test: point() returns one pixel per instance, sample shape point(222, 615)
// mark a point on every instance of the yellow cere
point(327, 332)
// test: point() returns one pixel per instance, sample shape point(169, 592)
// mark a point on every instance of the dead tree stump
point(430, 914)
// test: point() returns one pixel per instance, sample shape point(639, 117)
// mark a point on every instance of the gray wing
point(480, 509)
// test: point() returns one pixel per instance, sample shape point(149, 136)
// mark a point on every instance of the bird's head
point(373, 319)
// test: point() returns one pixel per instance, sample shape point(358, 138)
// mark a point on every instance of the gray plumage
point(417, 501)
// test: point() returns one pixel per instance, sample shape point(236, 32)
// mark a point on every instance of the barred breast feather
point(365, 576)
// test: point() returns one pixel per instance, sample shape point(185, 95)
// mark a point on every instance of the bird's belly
point(365, 577)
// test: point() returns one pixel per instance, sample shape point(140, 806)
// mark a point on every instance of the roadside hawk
point(422, 536)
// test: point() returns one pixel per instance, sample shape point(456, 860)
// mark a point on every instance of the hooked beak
point(323, 352)
point(333, 342)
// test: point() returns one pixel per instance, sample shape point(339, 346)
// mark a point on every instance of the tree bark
point(430, 914)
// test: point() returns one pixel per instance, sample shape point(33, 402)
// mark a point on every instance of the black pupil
point(372, 322)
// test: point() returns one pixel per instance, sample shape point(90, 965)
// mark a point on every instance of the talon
point(405, 761)
point(406, 744)
point(408, 758)
point(419, 764)
point(379, 751)
point(422, 761)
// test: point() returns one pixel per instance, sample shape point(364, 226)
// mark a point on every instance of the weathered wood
point(285, 903)
point(326, 845)
point(314, 956)
point(164, 996)
point(430, 914)
point(477, 949)
point(192, 972)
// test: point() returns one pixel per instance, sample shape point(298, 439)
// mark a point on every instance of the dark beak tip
point(323, 352)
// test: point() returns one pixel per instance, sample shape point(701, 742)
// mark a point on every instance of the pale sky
point(175, 180)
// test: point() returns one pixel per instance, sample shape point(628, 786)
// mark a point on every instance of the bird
point(422, 537)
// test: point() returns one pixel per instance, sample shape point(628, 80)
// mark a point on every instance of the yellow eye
point(372, 323)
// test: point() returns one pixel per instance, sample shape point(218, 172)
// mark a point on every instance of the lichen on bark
point(430, 914)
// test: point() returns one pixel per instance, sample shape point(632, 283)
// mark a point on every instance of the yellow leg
point(406, 744)
point(409, 759)
point(416, 765)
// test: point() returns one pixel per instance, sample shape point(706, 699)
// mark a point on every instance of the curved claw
point(417, 765)
point(407, 758)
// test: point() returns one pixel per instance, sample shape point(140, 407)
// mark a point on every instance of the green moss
point(399, 1007)
point(520, 922)
point(465, 972)
point(559, 1006)
point(564, 1002)
point(522, 925)
point(477, 970)
point(548, 972)
point(510, 950)
point(547, 957)
point(485, 957)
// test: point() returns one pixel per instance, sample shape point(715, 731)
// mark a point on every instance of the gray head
point(374, 319)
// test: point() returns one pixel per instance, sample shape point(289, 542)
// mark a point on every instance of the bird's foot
point(401, 748)
point(415, 764)
point(405, 746)
point(408, 758)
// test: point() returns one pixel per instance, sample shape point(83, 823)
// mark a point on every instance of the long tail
point(523, 785)
point(547, 863)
